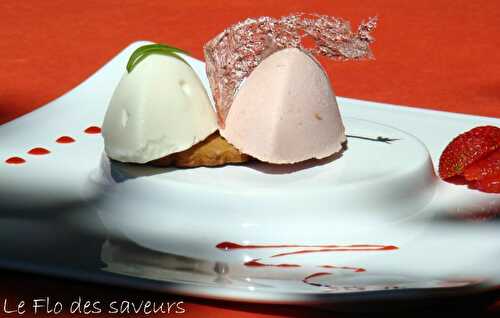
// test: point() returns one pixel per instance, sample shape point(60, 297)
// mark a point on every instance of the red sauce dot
point(65, 140)
point(93, 130)
point(38, 151)
point(15, 160)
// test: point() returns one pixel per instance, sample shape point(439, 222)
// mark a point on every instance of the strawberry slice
point(489, 166)
point(490, 184)
point(467, 148)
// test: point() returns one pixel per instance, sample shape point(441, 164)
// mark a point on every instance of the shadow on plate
point(121, 172)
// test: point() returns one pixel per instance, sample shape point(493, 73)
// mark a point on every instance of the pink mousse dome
point(285, 111)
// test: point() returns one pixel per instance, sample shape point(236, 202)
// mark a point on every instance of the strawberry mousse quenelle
point(274, 100)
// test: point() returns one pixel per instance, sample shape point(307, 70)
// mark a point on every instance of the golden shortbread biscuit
point(211, 152)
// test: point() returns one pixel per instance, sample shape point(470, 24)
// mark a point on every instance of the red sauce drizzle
point(256, 263)
point(15, 160)
point(93, 130)
point(38, 151)
point(315, 275)
point(233, 246)
point(228, 246)
point(349, 248)
point(65, 140)
point(307, 278)
point(355, 269)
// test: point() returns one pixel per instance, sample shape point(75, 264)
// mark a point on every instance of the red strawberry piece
point(467, 148)
point(489, 184)
point(489, 166)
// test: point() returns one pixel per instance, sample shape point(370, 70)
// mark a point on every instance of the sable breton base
point(212, 152)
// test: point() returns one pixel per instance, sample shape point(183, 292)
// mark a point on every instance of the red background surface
point(429, 53)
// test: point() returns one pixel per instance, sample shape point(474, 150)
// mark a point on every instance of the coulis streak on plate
point(229, 246)
point(307, 281)
point(256, 263)
point(233, 246)
point(340, 249)
point(15, 160)
point(315, 275)
point(307, 278)
point(355, 269)
point(38, 151)
point(65, 140)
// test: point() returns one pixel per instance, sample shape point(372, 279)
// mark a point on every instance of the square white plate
point(73, 213)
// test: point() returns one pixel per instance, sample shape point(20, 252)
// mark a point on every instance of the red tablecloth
point(429, 53)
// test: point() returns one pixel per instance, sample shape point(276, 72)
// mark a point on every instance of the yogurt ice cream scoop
point(157, 109)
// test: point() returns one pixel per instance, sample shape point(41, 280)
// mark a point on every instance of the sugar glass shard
point(233, 54)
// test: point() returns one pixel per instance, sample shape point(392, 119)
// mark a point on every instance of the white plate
point(83, 217)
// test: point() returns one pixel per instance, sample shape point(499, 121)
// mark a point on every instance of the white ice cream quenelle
point(157, 109)
point(285, 111)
